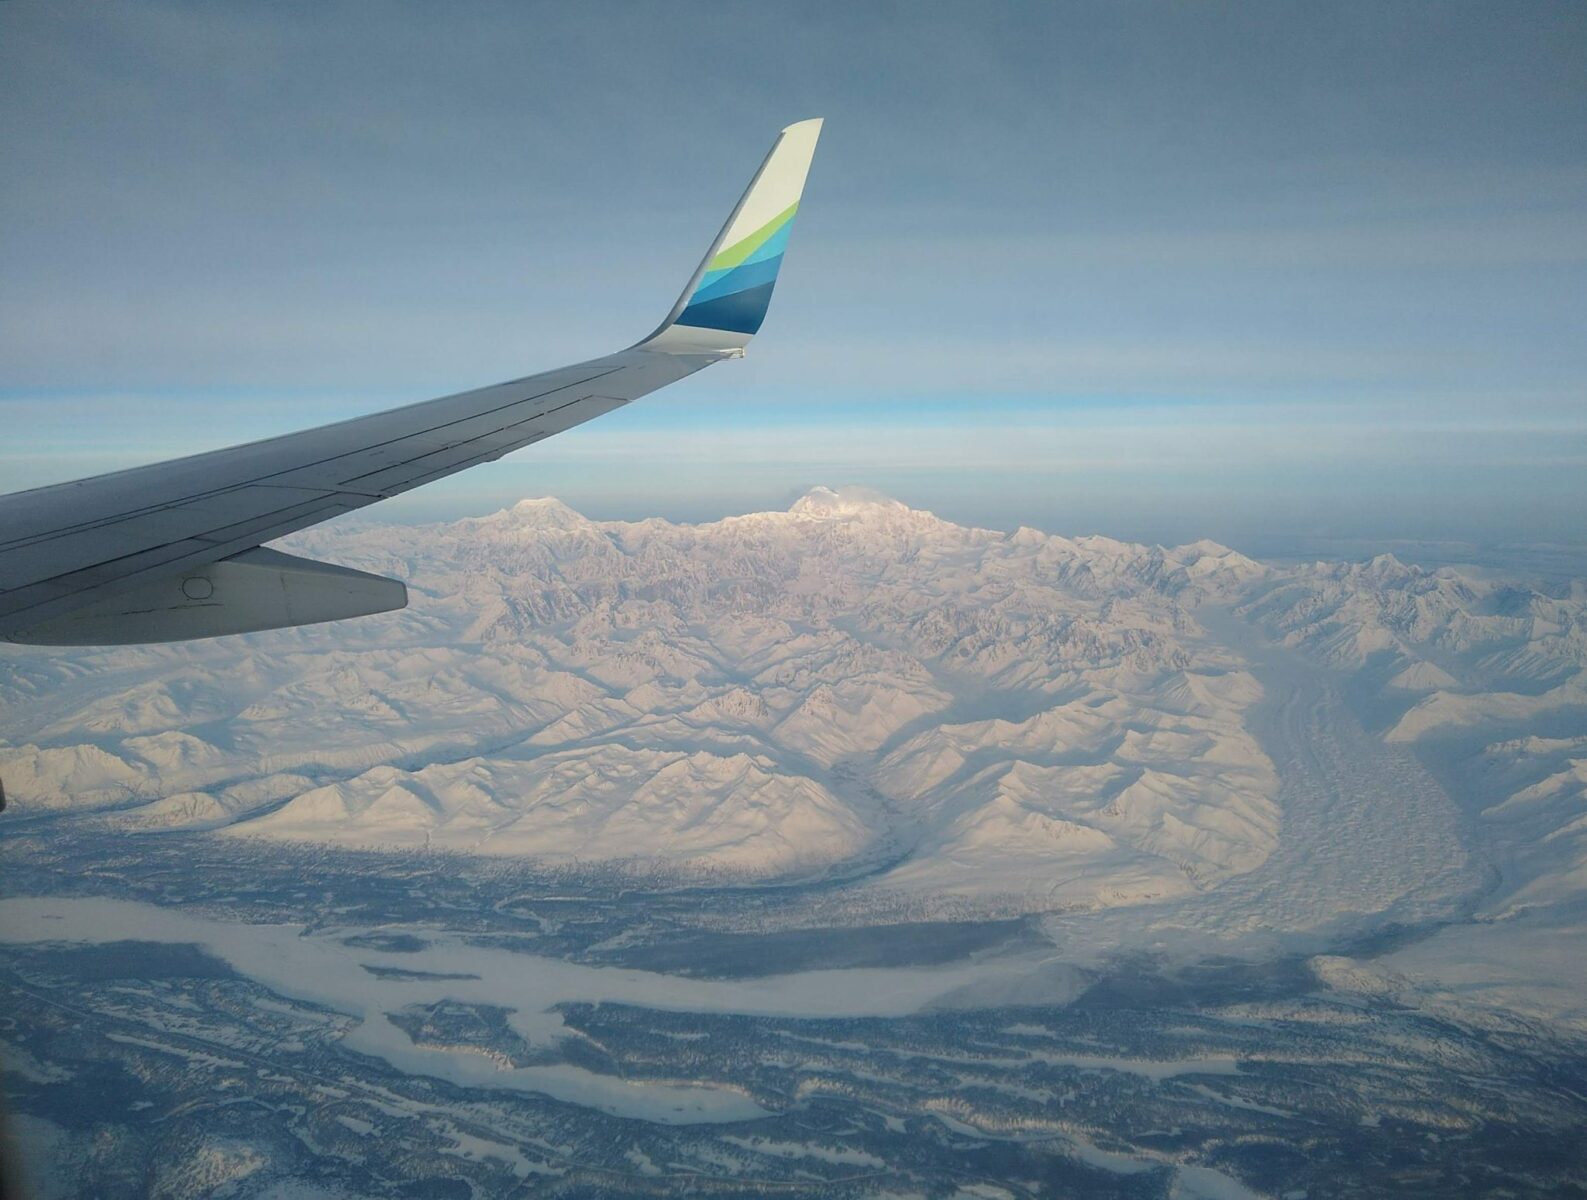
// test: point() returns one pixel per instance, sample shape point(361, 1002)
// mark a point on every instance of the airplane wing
point(172, 551)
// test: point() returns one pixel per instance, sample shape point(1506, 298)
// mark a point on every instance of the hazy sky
point(1255, 272)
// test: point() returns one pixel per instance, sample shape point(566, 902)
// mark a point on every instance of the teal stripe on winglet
point(751, 274)
point(736, 312)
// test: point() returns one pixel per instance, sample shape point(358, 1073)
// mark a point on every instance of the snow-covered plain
point(293, 963)
point(1178, 749)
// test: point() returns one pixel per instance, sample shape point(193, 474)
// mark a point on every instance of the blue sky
point(1265, 273)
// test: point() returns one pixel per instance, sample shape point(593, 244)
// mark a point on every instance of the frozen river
point(321, 968)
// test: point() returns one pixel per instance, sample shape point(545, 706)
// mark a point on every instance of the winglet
point(728, 295)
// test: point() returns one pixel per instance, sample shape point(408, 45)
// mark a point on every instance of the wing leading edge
point(172, 551)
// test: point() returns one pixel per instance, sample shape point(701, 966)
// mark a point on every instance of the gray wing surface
point(67, 545)
point(171, 550)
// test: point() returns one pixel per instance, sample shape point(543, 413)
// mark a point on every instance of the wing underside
point(121, 557)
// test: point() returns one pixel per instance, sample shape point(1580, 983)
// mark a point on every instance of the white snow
point(1162, 748)
point(1038, 717)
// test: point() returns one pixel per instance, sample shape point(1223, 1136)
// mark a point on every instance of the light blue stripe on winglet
point(772, 249)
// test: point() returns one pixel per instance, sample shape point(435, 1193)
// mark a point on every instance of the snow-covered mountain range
point(851, 688)
point(848, 684)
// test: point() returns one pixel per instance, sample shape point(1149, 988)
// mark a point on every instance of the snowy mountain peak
point(1207, 548)
point(824, 502)
point(544, 512)
point(1387, 565)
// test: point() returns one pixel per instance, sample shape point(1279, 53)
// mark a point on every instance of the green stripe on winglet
point(740, 250)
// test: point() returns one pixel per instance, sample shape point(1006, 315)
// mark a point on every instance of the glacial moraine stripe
point(736, 288)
